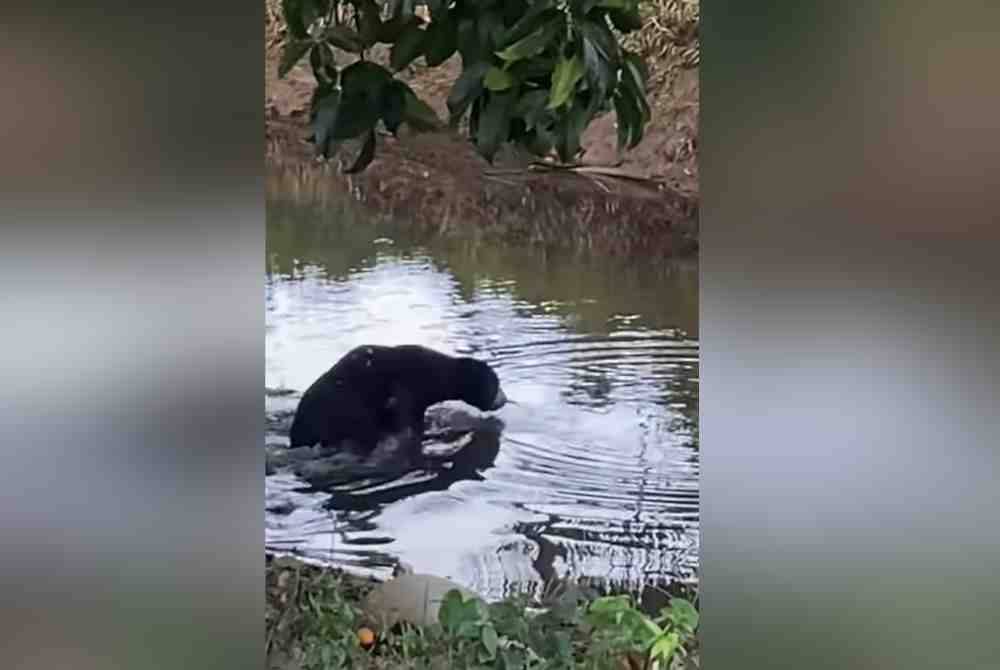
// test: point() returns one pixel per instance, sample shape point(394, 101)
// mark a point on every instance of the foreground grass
point(316, 619)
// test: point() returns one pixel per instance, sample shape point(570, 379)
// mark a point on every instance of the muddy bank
point(439, 182)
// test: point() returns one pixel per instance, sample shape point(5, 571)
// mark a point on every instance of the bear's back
point(342, 403)
point(351, 399)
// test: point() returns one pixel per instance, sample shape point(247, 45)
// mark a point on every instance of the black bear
point(379, 391)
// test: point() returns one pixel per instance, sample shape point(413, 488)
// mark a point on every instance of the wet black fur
point(376, 391)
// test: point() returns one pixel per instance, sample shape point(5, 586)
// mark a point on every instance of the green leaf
point(366, 156)
point(317, 9)
point(390, 31)
point(490, 29)
point(494, 124)
point(292, 11)
point(626, 20)
point(477, 609)
point(635, 68)
point(629, 119)
point(362, 83)
point(517, 131)
point(514, 10)
point(323, 63)
point(586, 6)
point(466, 88)
point(418, 114)
point(514, 659)
point(401, 105)
point(451, 612)
point(533, 44)
point(290, 56)
point(683, 614)
point(438, 9)
point(664, 647)
point(344, 38)
point(307, 12)
point(537, 70)
point(441, 41)
point(324, 112)
point(623, 122)
point(601, 37)
point(362, 74)
point(569, 133)
point(539, 141)
point(634, 82)
point(567, 73)
point(497, 79)
point(611, 604)
point(477, 108)
point(601, 76)
point(369, 21)
point(531, 107)
point(409, 45)
point(467, 42)
point(490, 640)
point(592, 57)
point(406, 9)
point(393, 105)
point(540, 13)
point(401, 9)
point(645, 626)
point(469, 628)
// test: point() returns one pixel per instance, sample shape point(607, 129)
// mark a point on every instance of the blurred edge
point(851, 516)
point(131, 505)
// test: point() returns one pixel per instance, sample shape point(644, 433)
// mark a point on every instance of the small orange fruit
point(366, 637)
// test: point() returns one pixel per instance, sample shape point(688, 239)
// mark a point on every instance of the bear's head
point(479, 385)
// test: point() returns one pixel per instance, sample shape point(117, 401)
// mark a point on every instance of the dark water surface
point(596, 471)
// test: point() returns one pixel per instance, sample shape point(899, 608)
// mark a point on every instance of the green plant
point(574, 630)
point(329, 637)
point(534, 72)
point(622, 628)
point(468, 629)
point(678, 625)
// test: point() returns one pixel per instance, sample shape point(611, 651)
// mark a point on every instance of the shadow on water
point(595, 469)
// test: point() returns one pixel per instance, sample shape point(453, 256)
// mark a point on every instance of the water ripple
point(597, 468)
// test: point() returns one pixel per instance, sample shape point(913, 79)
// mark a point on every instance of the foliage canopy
point(534, 72)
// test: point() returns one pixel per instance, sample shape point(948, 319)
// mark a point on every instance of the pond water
point(596, 470)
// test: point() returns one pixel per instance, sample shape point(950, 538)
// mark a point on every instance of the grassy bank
point(318, 618)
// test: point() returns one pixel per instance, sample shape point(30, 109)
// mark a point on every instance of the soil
point(644, 201)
